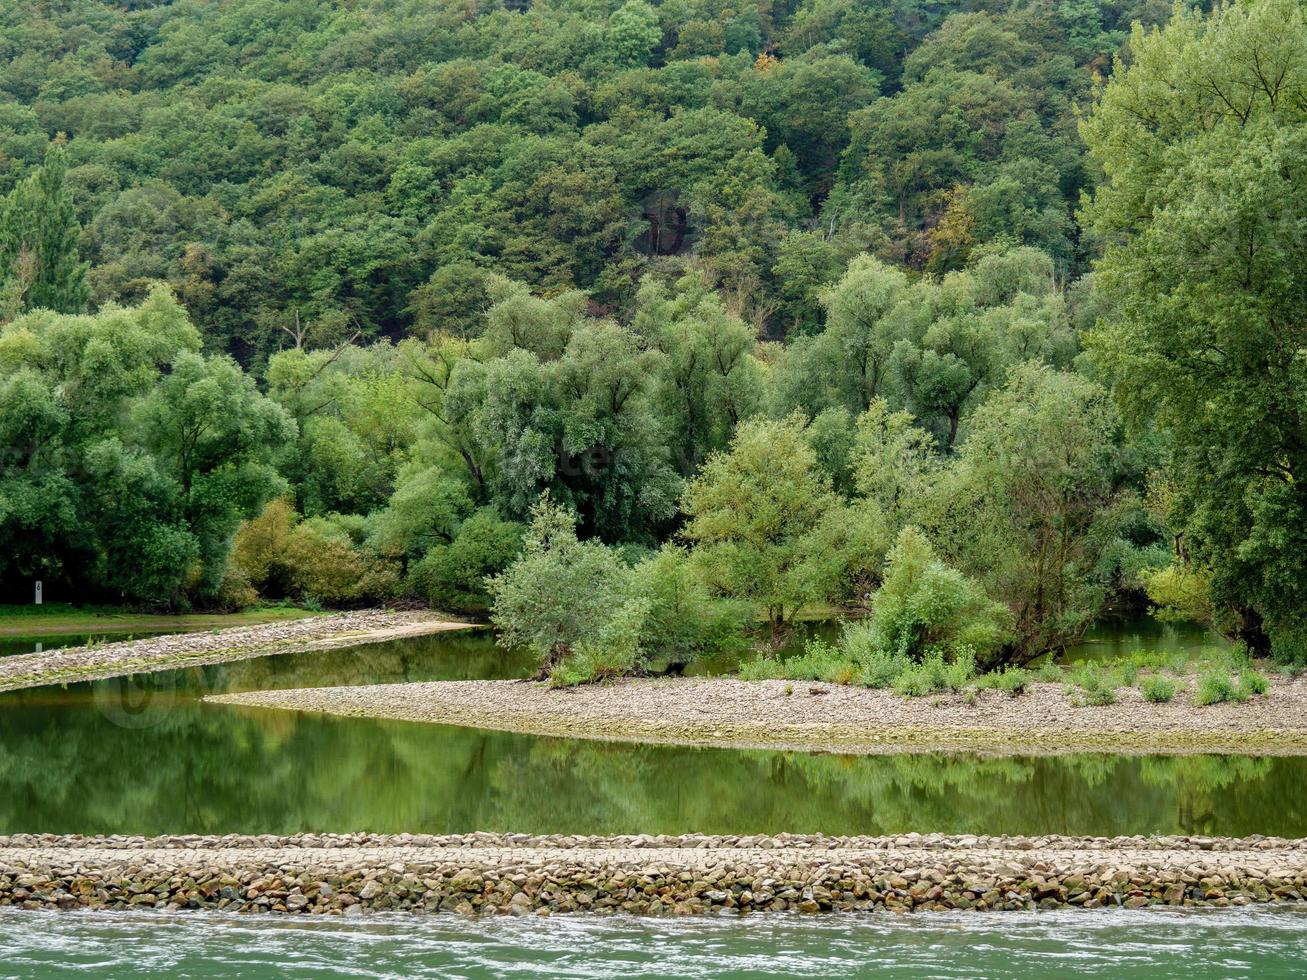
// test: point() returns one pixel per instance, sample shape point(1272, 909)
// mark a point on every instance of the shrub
point(1156, 688)
point(453, 576)
point(325, 566)
point(612, 652)
point(1216, 687)
point(924, 604)
point(1096, 687)
point(934, 673)
point(1252, 682)
point(1049, 672)
point(685, 621)
point(563, 596)
point(914, 682)
point(819, 662)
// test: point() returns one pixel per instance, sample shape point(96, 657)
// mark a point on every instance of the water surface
point(1266, 943)
point(143, 755)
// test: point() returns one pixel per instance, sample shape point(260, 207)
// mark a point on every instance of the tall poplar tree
point(39, 263)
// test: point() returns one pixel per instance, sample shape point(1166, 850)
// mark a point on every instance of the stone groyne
point(175, 650)
point(521, 874)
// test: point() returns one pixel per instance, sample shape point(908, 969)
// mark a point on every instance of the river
point(142, 755)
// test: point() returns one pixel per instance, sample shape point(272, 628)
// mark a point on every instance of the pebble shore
point(808, 716)
point(174, 650)
point(485, 873)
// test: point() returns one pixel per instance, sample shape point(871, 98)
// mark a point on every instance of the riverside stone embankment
point(102, 660)
point(826, 717)
point(509, 873)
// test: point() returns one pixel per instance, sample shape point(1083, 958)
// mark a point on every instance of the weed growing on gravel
point(1216, 687)
point(1095, 686)
point(1013, 680)
point(1049, 672)
point(1253, 683)
point(1156, 688)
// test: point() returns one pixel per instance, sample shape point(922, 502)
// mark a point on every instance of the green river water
point(142, 755)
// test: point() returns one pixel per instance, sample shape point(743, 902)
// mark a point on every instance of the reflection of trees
point(67, 764)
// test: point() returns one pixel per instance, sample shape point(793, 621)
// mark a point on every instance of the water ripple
point(1267, 942)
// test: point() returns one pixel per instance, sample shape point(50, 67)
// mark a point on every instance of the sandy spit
point(824, 717)
point(216, 646)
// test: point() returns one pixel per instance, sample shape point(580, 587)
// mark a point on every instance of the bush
point(1216, 687)
point(1157, 689)
point(565, 598)
point(819, 662)
point(685, 622)
point(1050, 672)
point(279, 556)
point(934, 673)
point(324, 565)
point(612, 652)
point(924, 604)
point(877, 668)
point(1252, 683)
point(453, 576)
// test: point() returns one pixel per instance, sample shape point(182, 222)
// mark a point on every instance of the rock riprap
point(102, 660)
point(519, 874)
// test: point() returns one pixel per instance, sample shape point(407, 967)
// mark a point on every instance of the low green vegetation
point(1157, 688)
point(856, 659)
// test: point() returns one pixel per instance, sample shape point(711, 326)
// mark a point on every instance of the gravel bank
point(824, 717)
point(512, 873)
point(217, 646)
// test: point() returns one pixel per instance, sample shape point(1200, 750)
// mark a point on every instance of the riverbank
point(63, 620)
point(825, 717)
point(325, 632)
point(516, 873)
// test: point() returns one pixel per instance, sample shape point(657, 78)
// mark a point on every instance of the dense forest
point(638, 321)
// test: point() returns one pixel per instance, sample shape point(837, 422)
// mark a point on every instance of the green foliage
point(933, 674)
point(1252, 683)
point(752, 516)
point(1011, 680)
point(1097, 687)
point(924, 606)
point(315, 560)
point(452, 576)
point(1200, 208)
point(684, 622)
point(563, 596)
point(40, 266)
point(1033, 501)
point(1216, 687)
point(1156, 688)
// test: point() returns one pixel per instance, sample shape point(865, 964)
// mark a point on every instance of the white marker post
point(38, 592)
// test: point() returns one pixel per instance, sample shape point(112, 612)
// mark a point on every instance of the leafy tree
point(752, 511)
point(925, 606)
point(1199, 137)
point(563, 597)
point(40, 266)
point(1034, 499)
